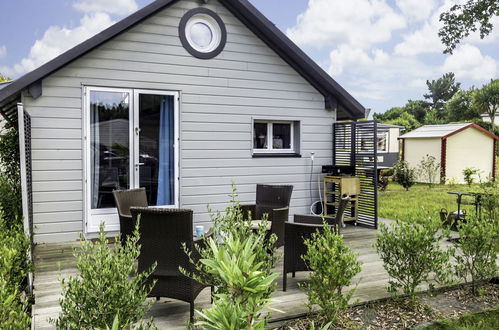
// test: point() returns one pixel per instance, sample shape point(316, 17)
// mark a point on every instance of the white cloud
point(3, 51)
point(119, 7)
point(57, 40)
point(467, 61)
point(424, 39)
point(360, 23)
point(416, 9)
point(375, 74)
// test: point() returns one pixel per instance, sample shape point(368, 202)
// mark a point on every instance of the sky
point(380, 51)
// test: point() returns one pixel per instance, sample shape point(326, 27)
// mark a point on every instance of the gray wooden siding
point(219, 99)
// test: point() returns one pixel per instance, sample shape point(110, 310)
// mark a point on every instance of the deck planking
point(55, 261)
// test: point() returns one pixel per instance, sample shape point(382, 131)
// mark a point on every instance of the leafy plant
point(428, 169)
point(404, 175)
point(333, 266)
point(10, 176)
point(478, 246)
point(238, 260)
point(489, 200)
point(107, 284)
point(14, 267)
point(232, 222)
point(411, 253)
point(245, 294)
point(452, 182)
point(468, 174)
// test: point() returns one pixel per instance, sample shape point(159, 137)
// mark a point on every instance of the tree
point(487, 100)
point(418, 109)
point(441, 91)
point(463, 19)
point(407, 120)
point(461, 108)
point(3, 78)
point(390, 114)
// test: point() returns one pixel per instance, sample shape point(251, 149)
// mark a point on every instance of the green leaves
point(333, 266)
point(107, 285)
point(478, 248)
point(404, 175)
point(411, 253)
point(10, 177)
point(14, 267)
point(463, 19)
point(238, 261)
point(428, 169)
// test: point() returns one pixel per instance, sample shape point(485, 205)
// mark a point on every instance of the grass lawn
point(397, 203)
point(479, 321)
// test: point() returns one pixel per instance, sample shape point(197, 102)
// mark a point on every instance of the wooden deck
point(54, 261)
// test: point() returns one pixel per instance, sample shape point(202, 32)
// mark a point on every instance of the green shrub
point(14, 267)
point(10, 177)
point(469, 174)
point(13, 308)
point(411, 253)
point(428, 170)
point(333, 266)
point(478, 247)
point(107, 285)
point(240, 269)
point(245, 294)
point(404, 175)
point(489, 200)
point(233, 223)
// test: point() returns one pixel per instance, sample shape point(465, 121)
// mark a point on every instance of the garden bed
point(396, 313)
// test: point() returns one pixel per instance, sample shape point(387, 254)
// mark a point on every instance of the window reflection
point(109, 143)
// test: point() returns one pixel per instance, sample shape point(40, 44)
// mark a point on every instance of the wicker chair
point(124, 200)
point(296, 232)
point(274, 201)
point(162, 233)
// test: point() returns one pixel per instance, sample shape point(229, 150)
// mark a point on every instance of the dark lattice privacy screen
point(354, 144)
point(29, 180)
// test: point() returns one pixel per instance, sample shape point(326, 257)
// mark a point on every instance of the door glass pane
point(156, 151)
point(260, 136)
point(109, 146)
point(281, 136)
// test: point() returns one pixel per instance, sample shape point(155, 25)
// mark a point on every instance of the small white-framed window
point(382, 139)
point(272, 136)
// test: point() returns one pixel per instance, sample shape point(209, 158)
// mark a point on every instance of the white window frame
point(110, 215)
point(380, 135)
point(270, 142)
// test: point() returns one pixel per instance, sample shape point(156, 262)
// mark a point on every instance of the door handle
point(139, 164)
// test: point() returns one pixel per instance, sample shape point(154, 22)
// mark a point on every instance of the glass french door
point(131, 142)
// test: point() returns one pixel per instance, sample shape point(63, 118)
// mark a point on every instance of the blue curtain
point(166, 170)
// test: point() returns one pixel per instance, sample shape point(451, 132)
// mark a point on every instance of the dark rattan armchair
point(274, 201)
point(162, 233)
point(297, 232)
point(125, 199)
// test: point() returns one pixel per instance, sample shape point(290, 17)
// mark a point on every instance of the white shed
point(455, 146)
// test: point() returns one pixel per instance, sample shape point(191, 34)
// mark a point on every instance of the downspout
point(443, 156)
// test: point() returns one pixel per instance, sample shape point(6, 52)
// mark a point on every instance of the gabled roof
point(5, 84)
point(244, 11)
point(381, 125)
point(443, 131)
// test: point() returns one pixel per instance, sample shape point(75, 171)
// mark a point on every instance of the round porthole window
point(202, 33)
